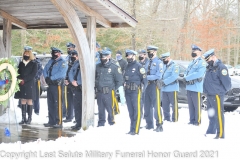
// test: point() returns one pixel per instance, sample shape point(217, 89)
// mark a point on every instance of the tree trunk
point(134, 29)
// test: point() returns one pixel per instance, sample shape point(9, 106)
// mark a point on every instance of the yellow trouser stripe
point(60, 104)
point(176, 106)
point(116, 103)
point(219, 115)
point(113, 103)
point(65, 96)
point(199, 108)
point(139, 111)
point(158, 106)
point(38, 86)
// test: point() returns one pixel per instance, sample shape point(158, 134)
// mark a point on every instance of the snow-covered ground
point(177, 141)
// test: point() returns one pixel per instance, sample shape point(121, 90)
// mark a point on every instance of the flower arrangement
point(8, 79)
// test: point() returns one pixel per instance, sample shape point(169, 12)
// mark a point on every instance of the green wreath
point(8, 80)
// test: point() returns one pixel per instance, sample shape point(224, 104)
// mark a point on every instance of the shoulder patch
point(224, 72)
point(119, 70)
point(142, 71)
point(204, 63)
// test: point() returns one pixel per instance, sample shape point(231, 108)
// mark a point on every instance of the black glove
point(47, 80)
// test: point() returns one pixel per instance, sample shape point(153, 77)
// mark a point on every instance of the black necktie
point(149, 66)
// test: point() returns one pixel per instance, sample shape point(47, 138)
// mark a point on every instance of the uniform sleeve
point(79, 77)
point(158, 74)
point(124, 66)
point(71, 74)
point(198, 73)
point(118, 78)
point(40, 69)
point(224, 78)
point(174, 75)
point(32, 75)
point(61, 71)
point(45, 70)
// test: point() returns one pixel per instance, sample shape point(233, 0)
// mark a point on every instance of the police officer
point(37, 83)
point(123, 64)
point(76, 82)
point(215, 85)
point(133, 77)
point(68, 94)
point(108, 79)
point(193, 78)
point(54, 73)
point(152, 93)
point(143, 60)
point(170, 88)
point(97, 55)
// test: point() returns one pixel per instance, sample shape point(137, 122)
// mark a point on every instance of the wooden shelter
point(72, 14)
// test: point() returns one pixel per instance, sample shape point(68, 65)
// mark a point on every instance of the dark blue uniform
point(38, 85)
point(54, 73)
point(75, 75)
point(216, 83)
point(108, 79)
point(133, 77)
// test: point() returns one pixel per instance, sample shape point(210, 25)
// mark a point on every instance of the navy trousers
point(36, 101)
point(68, 96)
point(194, 106)
point(77, 103)
point(169, 99)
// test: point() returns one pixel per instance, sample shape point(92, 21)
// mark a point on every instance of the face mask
point(73, 59)
point(150, 55)
point(119, 57)
point(26, 58)
point(194, 55)
point(140, 58)
point(165, 62)
point(103, 61)
point(129, 60)
point(54, 56)
point(210, 63)
point(69, 52)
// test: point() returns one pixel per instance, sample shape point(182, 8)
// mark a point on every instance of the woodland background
point(172, 25)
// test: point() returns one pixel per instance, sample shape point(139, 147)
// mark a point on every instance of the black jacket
point(27, 73)
point(123, 64)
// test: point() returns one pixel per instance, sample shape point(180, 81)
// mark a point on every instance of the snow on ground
point(177, 141)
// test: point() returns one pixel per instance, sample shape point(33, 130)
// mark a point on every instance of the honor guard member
point(193, 78)
point(152, 92)
point(70, 46)
point(97, 56)
point(215, 85)
point(54, 73)
point(143, 60)
point(170, 88)
point(133, 77)
point(123, 64)
point(108, 79)
point(37, 83)
point(76, 82)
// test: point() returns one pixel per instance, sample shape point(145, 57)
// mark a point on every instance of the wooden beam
point(87, 68)
point(119, 12)
point(7, 32)
point(14, 20)
point(89, 12)
point(91, 35)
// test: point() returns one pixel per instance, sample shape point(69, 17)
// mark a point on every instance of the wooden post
point(87, 68)
point(7, 30)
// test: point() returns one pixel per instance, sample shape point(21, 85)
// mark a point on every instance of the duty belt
point(150, 82)
point(191, 82)
point(131, 86)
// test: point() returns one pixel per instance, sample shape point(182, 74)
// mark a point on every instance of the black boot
point(159, 128)
point(29, 111)
point(23, 107)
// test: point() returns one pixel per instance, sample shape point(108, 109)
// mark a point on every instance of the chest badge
point(109, 70)
point(224, 72)
point(133, 70)
point(119, 70)
point(142, 71)
point(154, 64)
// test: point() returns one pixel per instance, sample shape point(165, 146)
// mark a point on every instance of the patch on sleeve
point(63, 65)
point(142, 71)
point(119, 70)
point(204, 63)
point(224, 72)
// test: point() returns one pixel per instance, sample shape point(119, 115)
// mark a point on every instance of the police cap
point(119, 52)
point(142, 51)
point(208, 54)
point(73, 52)
point(55, 50)
point(154, 48)
point(104, 53)
point(195, 47)
point(27, 48)
point(70, 45)
point(130, 52)
point(165, 55)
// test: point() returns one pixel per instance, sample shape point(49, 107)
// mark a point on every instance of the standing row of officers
point(150, 86)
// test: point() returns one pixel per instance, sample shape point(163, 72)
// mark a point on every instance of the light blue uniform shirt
point(58, 71)
point(73, 72)
point(97, 58)
point(156, 69)
point(170, 74)
point(196, 69)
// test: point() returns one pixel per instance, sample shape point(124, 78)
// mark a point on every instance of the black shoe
point(76, 128)
point(217, 137)
point(148, 127)
point(29, 111)
point(24, 110)
point(196, 124)
point(67, 120)
point(47, 125)
point(100, 125)
point(158, 129)
point(57, 126)
point(132, 133)
point(190, 123)
point(37, 113)
point(74, 121)
point(129, 132)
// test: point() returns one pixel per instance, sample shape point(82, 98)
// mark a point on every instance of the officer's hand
point(47, 80)
point(74, 83)
point(22, 82)
point(184, 80)
point(66, 82)
point(163, 84)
